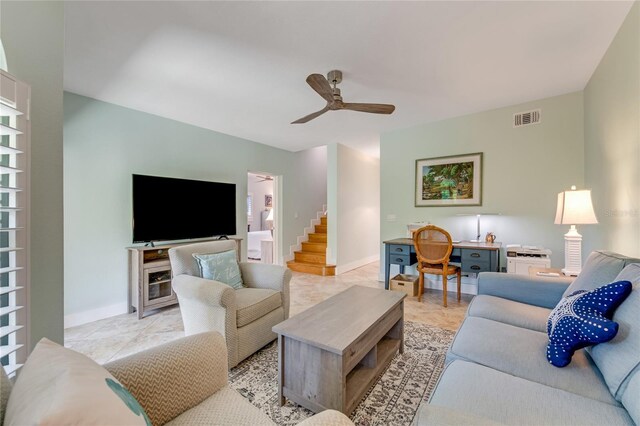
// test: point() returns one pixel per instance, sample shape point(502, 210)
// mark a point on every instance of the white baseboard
point(341, 269)
point(85, 317)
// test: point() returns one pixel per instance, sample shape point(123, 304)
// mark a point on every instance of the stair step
point(323, 220)
point(320, 258)
point(312, 268)
point(321, 229)
point(310, 247)
point(317, 238)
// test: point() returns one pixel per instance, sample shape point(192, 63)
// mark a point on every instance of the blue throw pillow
point(221, 267)
point(583, 319)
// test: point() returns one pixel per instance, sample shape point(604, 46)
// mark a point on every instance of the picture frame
point(454, 180)
point(268, 200)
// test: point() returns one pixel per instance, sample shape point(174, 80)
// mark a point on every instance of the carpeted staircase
point(312, 259)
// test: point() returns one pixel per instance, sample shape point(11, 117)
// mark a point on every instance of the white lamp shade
point(575, 208)
point(270, 215)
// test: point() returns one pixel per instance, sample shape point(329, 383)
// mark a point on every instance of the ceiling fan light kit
point(333, 96)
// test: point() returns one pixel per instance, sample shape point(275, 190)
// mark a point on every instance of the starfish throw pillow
point(583, 319)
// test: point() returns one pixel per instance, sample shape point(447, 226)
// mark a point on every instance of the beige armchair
point(185, 382)
point(245, 316)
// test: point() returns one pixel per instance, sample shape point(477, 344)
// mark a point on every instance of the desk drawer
point(476, 266)
point(398, 249)
point(476, 256)
point(399, 259)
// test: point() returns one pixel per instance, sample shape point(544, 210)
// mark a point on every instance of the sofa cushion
point(58, 386)
point(222, 267)
point(521, 352)
point(225, 407)
point(583, 319)
point(429, 414)
point(629, 392)
point(618, 357)
point(254, 303)
point(601, 268)
point(488, 393)
point(509, 312)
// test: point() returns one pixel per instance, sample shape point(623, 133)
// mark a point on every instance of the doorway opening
point(263, 230)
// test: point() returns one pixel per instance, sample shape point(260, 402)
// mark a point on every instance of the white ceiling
point(240, 67)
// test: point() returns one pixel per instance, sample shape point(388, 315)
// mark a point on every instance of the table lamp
point(478, 238)
point(574, 208)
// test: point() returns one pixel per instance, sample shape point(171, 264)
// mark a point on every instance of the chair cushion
point(509, 312)
point(222, 267)
point(254, 303)
point(58, 386)
point(583, 319)
point(617, 358)
point(487, 393)
point(225, 407)
point(437, 269)
point(521, 352)
point(601, 268)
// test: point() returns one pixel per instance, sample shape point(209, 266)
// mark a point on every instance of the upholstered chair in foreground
point(243, 315)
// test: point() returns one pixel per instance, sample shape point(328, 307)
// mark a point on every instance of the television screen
point(166, 209)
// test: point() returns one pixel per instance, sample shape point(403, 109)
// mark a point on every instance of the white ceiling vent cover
point(526, 118)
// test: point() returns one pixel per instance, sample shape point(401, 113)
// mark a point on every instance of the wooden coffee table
point(330, 354)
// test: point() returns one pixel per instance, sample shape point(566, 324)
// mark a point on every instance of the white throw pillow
point(58, 386)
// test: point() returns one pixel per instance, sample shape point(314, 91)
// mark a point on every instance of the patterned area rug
point(393, 399)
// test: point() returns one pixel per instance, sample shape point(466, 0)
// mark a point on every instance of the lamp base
point(572, 252)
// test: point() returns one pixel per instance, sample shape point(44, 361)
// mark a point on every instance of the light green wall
point(523, 170)
point(612, 143)
point(33, 37)
point(105, 144)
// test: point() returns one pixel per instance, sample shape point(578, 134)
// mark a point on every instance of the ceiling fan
point(264, 178)
point(334, 101)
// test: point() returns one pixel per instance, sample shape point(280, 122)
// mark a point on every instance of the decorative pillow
point(58, 386)
point(584, 319)
point(221, 267)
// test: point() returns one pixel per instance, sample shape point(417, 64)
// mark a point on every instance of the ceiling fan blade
point(373, 108)
point(311, 116)
point(321, 86)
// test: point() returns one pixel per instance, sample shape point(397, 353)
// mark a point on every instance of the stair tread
point(309, 263)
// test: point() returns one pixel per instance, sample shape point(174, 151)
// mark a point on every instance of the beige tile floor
point(119, 336)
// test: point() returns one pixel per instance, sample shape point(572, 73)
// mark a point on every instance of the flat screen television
point(166, 209)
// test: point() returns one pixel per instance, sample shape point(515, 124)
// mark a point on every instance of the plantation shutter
point(14, 222)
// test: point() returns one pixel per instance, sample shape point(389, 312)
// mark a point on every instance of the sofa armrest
point(172, 378)
point(211, 292)
point(545, 292)
point(274, 277)
point(327, 418)
point(208, 305)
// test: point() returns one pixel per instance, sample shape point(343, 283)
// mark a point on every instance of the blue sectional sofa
point(497, 371)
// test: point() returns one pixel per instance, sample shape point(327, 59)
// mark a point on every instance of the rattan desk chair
point(433, 247)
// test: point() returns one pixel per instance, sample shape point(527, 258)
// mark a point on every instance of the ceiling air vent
point(526, 118)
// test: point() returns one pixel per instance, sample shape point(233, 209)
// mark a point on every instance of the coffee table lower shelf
point(318, 380)
point(360, 379)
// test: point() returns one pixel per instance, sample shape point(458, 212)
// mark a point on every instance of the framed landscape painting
point(449, 181)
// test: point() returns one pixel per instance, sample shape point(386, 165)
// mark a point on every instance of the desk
point(472, 257)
